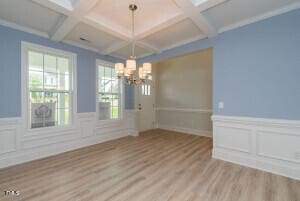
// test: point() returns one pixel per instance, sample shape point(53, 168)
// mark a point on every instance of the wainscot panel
point(268, 144)
point(185, 120)
point(19, 144)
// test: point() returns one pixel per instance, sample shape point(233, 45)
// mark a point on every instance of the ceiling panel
point(28, 14)
point(177, 34)
point(148, 14)
point(95, 38)
point(125, 52)
point(234, 11)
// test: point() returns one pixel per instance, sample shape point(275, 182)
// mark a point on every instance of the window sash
point(109, 92)
point(67, 117)
point(113, 106)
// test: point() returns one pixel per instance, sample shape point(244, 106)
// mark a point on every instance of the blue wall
point(10, 71)
point(256, 70)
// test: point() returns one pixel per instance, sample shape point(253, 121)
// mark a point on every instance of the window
point(109, 92)
point(49, 87)
point(146, 89)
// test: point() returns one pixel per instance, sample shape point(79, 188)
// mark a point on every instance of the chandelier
point(129, 71)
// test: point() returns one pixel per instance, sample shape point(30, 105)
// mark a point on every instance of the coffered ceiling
point(105, 25)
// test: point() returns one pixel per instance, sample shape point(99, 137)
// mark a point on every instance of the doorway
point(146, 104)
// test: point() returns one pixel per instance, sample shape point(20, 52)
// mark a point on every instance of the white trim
point(161, 25)
point(184, 110)
point(260, 17)
point(118, 56)
point(131, 118)
point(22, 28)
point(256, 121)
point(116, 46)
point(203, 5)
point(197, 17)
point(146, 54)
point(203, 133)
point(271, 145)
point(183, 42)
point(59, 6)
point(78, 11)
point(73, 43)
point(148, 47)
point(9, 120)
point(122, 92)
point(25, 47)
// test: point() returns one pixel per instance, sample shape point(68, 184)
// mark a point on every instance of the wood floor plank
point(158, 165)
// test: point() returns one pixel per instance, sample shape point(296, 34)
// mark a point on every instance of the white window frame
point(122, 88)
point(25, 48)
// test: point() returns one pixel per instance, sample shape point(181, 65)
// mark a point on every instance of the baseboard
point(270, 145)
point(133, 132)
point(256, 163)
point(203, 133)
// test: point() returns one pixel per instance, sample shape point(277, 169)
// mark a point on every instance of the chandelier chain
point(133, 39)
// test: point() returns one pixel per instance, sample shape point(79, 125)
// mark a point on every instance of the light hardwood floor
point(157, 165)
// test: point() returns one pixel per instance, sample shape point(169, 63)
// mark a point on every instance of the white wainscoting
point(19, 145)
point(267, 144)
point(185, 120)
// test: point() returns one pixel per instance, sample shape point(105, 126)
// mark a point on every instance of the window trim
point(108, 64)
point(25, 48)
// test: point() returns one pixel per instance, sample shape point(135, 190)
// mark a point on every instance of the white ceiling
point(92, 34)
point(28, 14)
point(160, 24)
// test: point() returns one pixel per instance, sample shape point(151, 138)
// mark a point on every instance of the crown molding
point(257, 18)
point(22, 28)
point(81, 46)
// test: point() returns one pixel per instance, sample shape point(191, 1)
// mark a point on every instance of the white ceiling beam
point(119, 45)
point(148, 47)
point(144, 55)
point(63, 28)
point(56, 5)
point(183, 42)
point(114, 47)
point(81, 45)
point(79, 11)
point(169, 22)
point(209, 4)
point(199, 19)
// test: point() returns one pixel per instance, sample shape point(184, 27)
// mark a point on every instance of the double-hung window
point(109, 92)
point(49, 86)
